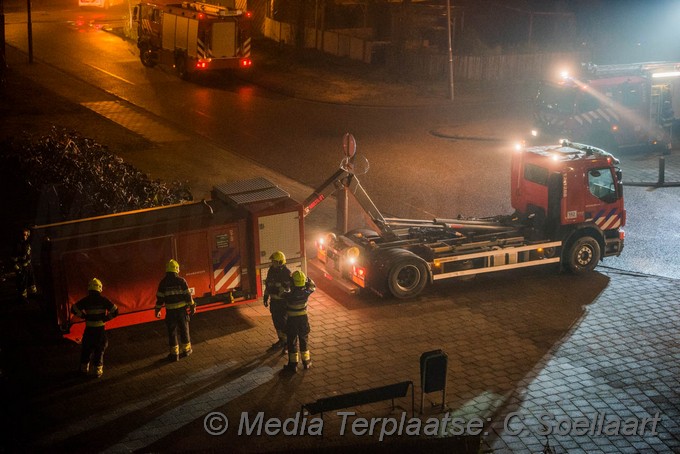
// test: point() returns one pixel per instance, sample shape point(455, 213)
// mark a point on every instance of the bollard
point(662, 171)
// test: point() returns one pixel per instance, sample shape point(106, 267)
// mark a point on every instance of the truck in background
point(223, 246)
point(611, 106)
point(569, 210)
point(103, 4)
point(194, 36)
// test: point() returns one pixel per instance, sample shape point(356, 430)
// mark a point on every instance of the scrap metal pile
point(80, 178)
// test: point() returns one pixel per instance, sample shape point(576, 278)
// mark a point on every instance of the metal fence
point(424, 63)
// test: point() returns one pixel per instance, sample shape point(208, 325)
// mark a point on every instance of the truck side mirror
point(135, 14)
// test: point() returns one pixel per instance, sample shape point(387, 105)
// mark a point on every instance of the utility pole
point(448, 20)
point(30, 32)
point(3, 59)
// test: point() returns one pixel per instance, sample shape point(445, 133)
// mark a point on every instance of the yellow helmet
point(278, 258)
point(172, 266)
point(299, 278)
point(95, 284)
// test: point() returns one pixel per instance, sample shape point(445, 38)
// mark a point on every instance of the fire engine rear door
point(224, 39)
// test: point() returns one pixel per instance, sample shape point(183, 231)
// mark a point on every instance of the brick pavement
point(554, 345)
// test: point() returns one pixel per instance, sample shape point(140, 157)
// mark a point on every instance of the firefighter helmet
point(172, 266)
point(95, 284)
point(299, 278)
point(278, 258)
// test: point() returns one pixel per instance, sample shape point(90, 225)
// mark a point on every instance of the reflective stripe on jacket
point(173, 293)
point(95, 309)
point(296, 300)
point(278, 282)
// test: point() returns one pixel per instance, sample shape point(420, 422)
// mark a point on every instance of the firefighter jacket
point(278, 282)
point(95, 309)
point(22, 255)
point(173, 293)
point(296, 299)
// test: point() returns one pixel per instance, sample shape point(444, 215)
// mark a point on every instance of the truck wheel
point(146, 57)
point(584, 255)
point(407, 277)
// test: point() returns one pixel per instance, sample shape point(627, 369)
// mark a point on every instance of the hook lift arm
point(345, 179)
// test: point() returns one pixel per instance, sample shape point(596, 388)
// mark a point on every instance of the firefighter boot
point(306, 360)
point(173, 356)
point(284, 345)
point(290, 368)
point(100, 371)
point(186, 350)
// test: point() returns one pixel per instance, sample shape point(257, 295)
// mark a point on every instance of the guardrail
point(661, 181)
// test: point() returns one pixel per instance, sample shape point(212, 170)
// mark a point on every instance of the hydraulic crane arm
point(343, 179)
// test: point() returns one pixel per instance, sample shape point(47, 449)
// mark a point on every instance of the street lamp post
point(448, 20)
point(30, 32)
point(3, 59)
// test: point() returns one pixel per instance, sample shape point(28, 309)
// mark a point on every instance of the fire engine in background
point(611, 106)
point(223, 247)
point(569, 209)
point(194, 36)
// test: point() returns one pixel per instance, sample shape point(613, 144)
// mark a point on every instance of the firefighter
point(96, 310)
point(297, 327)
point(23, 268)
point(174, 294)
point(276, 285)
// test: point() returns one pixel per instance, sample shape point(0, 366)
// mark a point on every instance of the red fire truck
point(193, 36)
point(611, 106)
point(223, 246)
point(568, 201)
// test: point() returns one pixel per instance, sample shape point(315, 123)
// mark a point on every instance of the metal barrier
point(661, 182)
point(368, 396)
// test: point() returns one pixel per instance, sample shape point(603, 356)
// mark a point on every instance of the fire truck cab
point(611, 106)
point(193, 36)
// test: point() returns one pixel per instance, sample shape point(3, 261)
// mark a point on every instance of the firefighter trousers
point(25, 282)
point(177, 321)
point(279, 316)
point(95, 342)
point(297, 328)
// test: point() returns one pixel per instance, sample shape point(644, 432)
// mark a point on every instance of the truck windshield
point(557, 98)
point(601, 184)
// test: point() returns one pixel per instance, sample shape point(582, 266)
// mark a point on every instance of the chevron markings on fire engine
point(135, 121)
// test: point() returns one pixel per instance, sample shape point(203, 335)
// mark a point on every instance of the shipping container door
point(193, 255)
point(280, 232)
point(223, 39)
point(226, 259)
